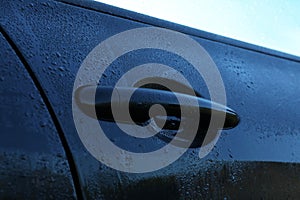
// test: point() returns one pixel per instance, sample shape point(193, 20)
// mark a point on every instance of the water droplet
point(61, 69)
point(43, 124)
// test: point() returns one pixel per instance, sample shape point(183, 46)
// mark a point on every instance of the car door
point(256, 159)
point(33, 161)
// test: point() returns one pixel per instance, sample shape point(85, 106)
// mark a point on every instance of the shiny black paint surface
point(262, 87)
point(33, 163)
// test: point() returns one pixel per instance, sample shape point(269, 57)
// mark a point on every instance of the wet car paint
point(33, 163)
point(257, 159)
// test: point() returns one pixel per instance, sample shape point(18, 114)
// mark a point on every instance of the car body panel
point(33, 163)
point(262, 86)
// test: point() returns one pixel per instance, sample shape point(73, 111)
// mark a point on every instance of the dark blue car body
point(43, 44)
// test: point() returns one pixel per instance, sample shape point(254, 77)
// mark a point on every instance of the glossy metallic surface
point(258, 158)
point(33, 163)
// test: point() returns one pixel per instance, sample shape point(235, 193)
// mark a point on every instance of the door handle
point(142, 99)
